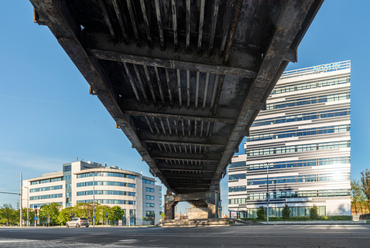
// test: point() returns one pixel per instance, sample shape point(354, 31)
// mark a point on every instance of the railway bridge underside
point(183, 79)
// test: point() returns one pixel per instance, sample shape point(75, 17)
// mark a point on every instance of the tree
point(51, 212)
point(163, 215)
point(83, 210)
point(261, 213)
point(100, 213)
point(314, 213)
point(358, 197)
point(116, 213)
point(286, 212)
point(8, 214)
point(365, 180)
point(65, 215)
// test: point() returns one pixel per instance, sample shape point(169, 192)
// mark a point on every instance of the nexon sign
point(327, 67)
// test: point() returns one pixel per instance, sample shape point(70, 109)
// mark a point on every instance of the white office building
point(81, 182)
point(299, 147)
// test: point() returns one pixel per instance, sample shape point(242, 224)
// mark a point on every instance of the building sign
point(326, 67)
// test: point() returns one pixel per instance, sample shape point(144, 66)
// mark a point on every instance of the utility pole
point(20, 209)
point(267, 194)
point(28, 206)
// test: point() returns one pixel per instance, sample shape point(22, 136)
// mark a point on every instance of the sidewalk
point(322, 222)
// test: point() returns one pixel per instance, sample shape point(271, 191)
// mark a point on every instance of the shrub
point(286, 212)
point(314, 213)
point(261, 213)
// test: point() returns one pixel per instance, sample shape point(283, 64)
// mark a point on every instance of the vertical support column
point(212, 204)
point(169, 206)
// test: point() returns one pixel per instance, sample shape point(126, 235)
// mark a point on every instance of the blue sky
point(48, 118)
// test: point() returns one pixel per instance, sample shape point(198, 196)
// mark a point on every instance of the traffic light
point(36, 212)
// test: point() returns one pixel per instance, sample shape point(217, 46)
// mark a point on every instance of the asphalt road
point(225, 236)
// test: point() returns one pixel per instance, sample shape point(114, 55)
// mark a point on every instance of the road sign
point(94, 217)
point(106, 213)
point(35, 206)
point(35, 218)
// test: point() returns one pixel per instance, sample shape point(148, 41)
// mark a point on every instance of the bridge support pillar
point(208, 200)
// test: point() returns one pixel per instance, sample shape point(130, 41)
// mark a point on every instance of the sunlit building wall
point(136, 194)
point(301, 143)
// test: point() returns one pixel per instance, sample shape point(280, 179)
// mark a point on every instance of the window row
point(302, 117)
point(106, 192)
point(39, 205)
point(106, 174)
point(149, 213)
point(313, 85)
point(300, 194)
point(149, 189)
point(237, 164)
point(149, 205)
point(237, 176)
point(298, 179)
point(41, 197)
point(300, 132)
point(299, 148)
point(148, 181)
point(108, 201)
point(149, 197)
point(46, 188)
point(277, 211)
point(107, 183)
point(299, 163)
point(306, 101)
point(56, 179)
point(237, 188)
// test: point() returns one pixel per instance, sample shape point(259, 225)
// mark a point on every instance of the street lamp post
point(267, 194)
point(94, 199)
point(20, 208)
point(28, 205)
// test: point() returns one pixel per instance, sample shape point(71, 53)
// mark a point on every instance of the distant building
point(301, 142)
point(136, 194)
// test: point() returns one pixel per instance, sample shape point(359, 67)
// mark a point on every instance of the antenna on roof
point(77, 158)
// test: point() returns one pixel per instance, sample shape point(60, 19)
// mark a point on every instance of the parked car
point(77, 222)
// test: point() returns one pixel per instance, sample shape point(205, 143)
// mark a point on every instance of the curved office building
point(81, 182)
point(299, 146)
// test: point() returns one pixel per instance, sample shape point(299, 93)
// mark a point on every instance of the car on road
point(77, 222)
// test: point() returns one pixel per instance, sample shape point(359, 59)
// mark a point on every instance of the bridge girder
point(184, 80)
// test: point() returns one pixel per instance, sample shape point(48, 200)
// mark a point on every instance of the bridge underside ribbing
point(183, 79)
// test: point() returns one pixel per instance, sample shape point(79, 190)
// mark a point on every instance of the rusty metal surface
point(183, 79)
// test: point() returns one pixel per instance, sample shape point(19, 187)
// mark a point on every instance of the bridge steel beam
point(184, 93)
point(56, 14)
point(273, 64)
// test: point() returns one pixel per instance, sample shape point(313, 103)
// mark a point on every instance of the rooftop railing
point(336, 66)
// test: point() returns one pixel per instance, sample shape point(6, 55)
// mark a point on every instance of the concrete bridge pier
point(203, 201)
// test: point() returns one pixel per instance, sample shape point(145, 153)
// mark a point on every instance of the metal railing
point(336, 66)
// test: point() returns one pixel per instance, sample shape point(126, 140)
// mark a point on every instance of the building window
point(149, 189)
point(106, 174)
point(106, 192)
point(237, 176)
point(237, 188)
point(46, 188)
point(107, 183)
point(149, 197)
point(149, 205)
point(148, 181)
point(149, 213)
point(41, 197)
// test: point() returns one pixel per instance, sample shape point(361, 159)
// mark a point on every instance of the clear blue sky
point(48, 118)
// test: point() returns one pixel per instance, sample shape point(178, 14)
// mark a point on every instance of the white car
point(77, 222)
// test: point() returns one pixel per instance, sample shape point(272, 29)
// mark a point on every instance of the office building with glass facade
point(299, 147)
point(81, 182)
